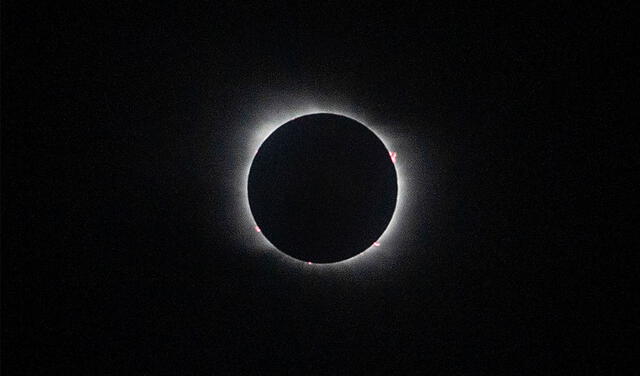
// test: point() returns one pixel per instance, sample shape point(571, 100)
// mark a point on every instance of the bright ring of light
point(391, 231)
point(256, 121)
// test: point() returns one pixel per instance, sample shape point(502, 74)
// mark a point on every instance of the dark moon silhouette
point(322, 188)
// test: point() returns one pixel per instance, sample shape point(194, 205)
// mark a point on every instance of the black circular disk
point(322, 188)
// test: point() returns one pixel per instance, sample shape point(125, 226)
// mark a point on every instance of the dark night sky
point(114, 126)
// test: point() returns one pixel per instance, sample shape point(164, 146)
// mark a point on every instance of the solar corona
point(246, 138)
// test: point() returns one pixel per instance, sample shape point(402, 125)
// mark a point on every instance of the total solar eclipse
point(322, 188)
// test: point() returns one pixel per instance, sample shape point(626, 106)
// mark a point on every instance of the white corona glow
point(252, 132)
point(265, 130)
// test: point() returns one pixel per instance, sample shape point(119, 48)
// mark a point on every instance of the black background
point(112, 264)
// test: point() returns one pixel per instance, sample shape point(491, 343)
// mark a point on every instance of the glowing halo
point(391, 229)
point(248, 137)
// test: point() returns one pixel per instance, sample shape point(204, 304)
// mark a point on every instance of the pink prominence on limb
point(393, 155)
